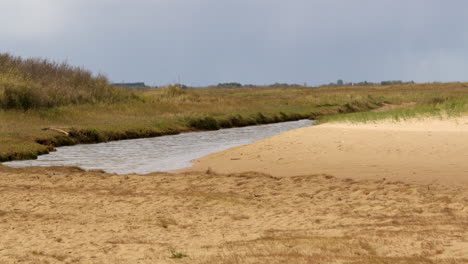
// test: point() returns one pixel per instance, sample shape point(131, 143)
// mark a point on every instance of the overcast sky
point(250, 41)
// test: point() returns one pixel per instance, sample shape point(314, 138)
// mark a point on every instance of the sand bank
point(415, 151)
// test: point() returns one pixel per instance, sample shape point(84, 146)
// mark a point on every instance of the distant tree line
point(229, 85)
point(138, 86)
point(337, 83)
point(142, 86)
point(366, 83)
point(133, 84)
point(239, 85)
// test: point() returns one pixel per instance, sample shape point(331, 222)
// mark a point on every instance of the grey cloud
point(255, 41)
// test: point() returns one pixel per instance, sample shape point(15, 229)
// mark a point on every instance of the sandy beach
point(333, 193)
point(415, 151)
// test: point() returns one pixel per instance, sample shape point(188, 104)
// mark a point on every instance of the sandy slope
point(418, 151)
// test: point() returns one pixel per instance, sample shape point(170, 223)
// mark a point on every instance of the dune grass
point(450, 108)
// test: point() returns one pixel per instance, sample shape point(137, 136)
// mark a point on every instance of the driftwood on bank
point(57, 130)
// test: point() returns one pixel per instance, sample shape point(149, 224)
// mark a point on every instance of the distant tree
point(134, 84)
point(396, 82)
point(366, 83)
point(229, 85)
point(181, 86)
point(284, 85)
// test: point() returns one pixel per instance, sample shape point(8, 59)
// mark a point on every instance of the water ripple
point(156, 154)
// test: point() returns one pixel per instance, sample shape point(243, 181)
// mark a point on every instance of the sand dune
point(416, 151)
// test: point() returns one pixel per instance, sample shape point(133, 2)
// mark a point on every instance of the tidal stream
point(164, 153)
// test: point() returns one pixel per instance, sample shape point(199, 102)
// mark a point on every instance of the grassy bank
point(172, 110)
point(159, 112)
point(37, 94)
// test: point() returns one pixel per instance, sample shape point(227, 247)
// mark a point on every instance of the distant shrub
point(438, 100)
point(174, 90)
point(20, 96)
point(229, 85)
point(36, 83)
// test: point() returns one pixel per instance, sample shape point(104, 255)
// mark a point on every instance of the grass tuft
point(178, 255)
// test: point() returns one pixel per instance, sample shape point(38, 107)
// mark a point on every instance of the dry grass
point(36, 83)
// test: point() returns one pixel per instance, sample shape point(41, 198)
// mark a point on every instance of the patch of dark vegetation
point(87, 136)
point(90, 136)
point(205, 123)
point(439, 100)
point(210, 123)
point(178, 255)
point(58, 141)
point(24, 155)
point(357, 106)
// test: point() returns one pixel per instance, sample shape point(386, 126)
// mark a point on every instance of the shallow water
point(164, 153)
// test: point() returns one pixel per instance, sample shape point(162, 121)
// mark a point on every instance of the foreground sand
point(70, 216)
point(417, 151)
